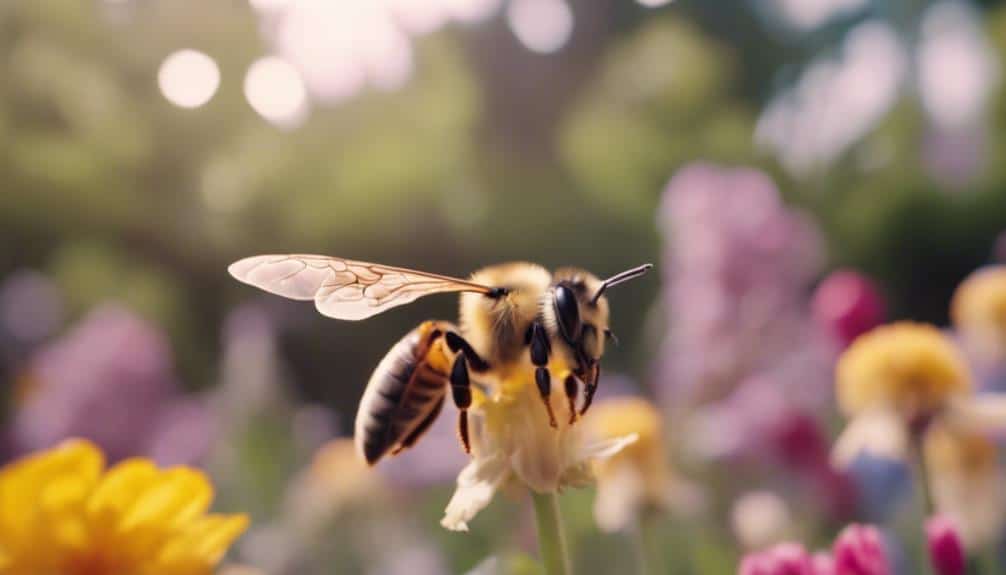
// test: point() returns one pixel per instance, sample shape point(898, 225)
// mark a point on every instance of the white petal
point(880, 433)
point(477, 483)
point(983, 413)
point(618, 498)
point(605, 449)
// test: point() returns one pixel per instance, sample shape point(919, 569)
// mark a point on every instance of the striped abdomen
point(405, 393)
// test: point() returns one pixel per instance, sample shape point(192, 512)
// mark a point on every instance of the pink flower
point(859, 550)
point(782, 559)
point(848, 304)
point(945, 548)
point(824, 563)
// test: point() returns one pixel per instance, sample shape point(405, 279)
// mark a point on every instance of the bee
point(514, 319)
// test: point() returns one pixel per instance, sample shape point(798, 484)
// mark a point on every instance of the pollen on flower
point(64, 513)
point(908, 367)
point(978, 311)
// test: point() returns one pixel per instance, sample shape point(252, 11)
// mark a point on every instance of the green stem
point(922, 475)
point(651, 550)
point(925, 488)
point(551, 541)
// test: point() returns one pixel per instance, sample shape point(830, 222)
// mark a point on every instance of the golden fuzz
point(63, 513)
point(978, 308)
point(909, 367)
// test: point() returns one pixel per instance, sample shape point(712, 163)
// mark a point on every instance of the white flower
point(512, 441)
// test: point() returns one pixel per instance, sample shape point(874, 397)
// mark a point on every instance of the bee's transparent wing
point(341, 288)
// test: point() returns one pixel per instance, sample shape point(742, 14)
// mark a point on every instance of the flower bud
point(782, 559)
point(859, 550)
point(848, 305)
point(945, 548)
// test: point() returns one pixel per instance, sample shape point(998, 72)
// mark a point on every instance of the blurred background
point(750, 149)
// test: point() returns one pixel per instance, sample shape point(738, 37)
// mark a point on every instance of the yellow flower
point(512, 441)
point(638, 478)
point(979, 313)
point(968, 483)
point(896, 380)
point(909, 367)
point(62, 513)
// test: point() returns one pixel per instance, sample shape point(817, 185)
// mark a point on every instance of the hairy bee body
point(405, 393)
point(497, 328)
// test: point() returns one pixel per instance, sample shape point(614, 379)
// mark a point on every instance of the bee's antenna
point(620, 277)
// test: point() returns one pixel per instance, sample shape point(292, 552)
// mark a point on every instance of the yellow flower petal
point(60, 516)
point(176, 496)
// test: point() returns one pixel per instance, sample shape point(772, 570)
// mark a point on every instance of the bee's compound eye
point(567, 312)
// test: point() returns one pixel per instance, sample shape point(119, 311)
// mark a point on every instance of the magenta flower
point(847, 304)
point(824, 563)
point(859, 550)
point(945, 547)
point(782, 559)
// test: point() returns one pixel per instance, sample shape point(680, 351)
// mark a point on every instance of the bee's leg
point(461, 392)
point(571, 388)
point(457, 344)
point(591, 387)
point(540, 349)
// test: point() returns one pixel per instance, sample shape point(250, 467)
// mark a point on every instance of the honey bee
point(514, 319)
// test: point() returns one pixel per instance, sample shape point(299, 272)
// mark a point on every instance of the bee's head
point(576, 309)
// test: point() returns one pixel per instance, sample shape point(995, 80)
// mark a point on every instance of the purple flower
point(183, 433)
point(859, 550)
point(782, 559)
point(946, 550)
point(847, 304)
point(31, 307)
point(105, 380)
point(737, 267)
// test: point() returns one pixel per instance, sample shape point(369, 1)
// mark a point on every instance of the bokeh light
point(269, 6)
point(810, 14)
point(836, 101)
point(276, 91)
point(418, 17)
point(188, 78)
point(957, 69)
point(469, 11)
point(542, 26)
